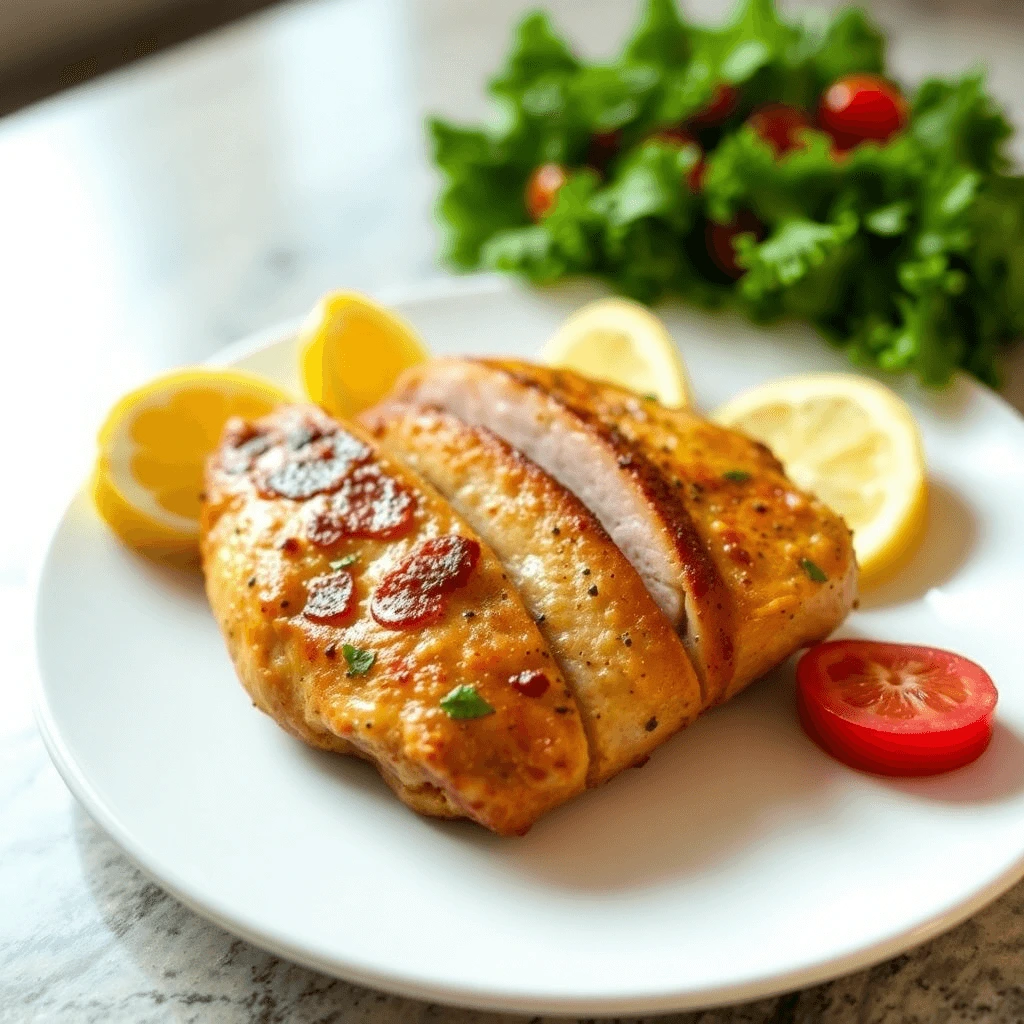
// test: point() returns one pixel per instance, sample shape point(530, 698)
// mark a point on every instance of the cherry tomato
point(542, 189)
point(681, 137)
point(780, 126)
point(895, 709)
point(723, 103)
point(719, 240)
point(861, 107)
point(676, 135)
point(602, 149)
point(695, 175)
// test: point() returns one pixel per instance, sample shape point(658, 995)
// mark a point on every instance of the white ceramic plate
point(741, 861)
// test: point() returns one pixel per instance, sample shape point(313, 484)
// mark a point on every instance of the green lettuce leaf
point(482, 194)
point(909, 255)
point(847, 43)
point(661, 37)
point(564, 242)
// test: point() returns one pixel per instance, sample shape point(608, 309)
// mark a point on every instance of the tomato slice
point(862, 107)
point(895, 709)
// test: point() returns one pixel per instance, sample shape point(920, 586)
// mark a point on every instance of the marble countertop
point(155, 215)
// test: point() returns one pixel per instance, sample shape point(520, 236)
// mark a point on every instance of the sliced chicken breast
point(730, 550)
point(628, 494)
point(366, 617)
point(631, 675)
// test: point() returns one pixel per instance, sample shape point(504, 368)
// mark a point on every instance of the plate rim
point(403, 983)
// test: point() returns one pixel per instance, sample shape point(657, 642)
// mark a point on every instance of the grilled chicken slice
point(731, 551)
point(355, 603)
point(628, 494)
point(631, 676)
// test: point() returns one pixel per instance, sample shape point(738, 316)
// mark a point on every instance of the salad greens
point(908, 254)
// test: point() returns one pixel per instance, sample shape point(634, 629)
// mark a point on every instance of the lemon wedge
point(149, 469)
point(352, 351)
point(624, 343)
point(855, 445)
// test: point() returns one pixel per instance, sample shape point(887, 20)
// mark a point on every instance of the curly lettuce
point(908, 255)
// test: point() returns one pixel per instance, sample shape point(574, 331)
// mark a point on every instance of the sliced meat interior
point(627, 494)
point(746, 566)
point(630, 673)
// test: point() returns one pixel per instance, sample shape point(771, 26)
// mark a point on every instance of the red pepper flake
point(530, 683)
point(329, 598)
point(369, 503)
point(733, 547)
point(413, 593)
point(317, 467)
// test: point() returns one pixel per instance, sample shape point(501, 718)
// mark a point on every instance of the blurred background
point(47, 45)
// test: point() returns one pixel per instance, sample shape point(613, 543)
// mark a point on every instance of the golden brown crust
point(732, 531)
point(709, 600)
point(705, 608)
point(502, 770)
point(754, 524)
point(632, 678)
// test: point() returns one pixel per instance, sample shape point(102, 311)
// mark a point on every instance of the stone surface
point(153, 216)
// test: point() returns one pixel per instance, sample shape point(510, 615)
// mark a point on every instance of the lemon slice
point(622, 342)
point(149, 470)
point(855, 445)
point(352, 351)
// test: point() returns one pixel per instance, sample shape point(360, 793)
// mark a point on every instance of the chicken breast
point(366, 617)
point(630, 674)
point(746, 566)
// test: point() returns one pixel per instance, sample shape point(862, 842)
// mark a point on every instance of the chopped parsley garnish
point(344, 562)
point(815, 572)
point(465, 702)
point(737, 476)
point(359, 661)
